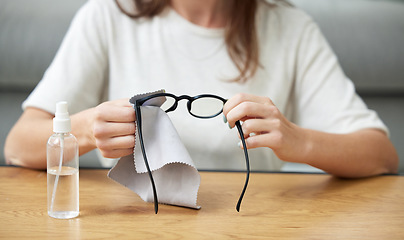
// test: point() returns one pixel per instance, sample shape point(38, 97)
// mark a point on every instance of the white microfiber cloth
point(176, 178)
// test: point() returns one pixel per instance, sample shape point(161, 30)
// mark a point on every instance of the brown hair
point(240, 33)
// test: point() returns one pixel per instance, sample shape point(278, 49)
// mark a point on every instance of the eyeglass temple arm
point(139, 130)
point(238, 125)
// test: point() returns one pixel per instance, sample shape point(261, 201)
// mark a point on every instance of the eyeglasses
point(202, 106)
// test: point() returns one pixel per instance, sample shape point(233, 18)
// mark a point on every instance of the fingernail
point(224, 119)
point(240, 145)
point(228, 124)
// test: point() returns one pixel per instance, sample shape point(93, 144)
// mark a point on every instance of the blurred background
point(367, 36)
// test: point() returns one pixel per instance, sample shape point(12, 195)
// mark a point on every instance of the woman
point(281, 77)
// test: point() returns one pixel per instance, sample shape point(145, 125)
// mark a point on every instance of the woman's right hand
point(109, 126)
point(114, 128)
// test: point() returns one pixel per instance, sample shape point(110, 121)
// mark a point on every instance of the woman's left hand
point(265, 126)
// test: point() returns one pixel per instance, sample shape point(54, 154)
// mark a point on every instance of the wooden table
point(276, 206)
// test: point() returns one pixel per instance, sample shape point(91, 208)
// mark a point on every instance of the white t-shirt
point(107, 55)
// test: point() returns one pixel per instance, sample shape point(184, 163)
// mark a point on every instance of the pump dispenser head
point(61, 121)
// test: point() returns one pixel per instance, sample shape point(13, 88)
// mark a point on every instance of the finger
point(123, 102)
point(116, 153)
point(110, 129)
point(250, 110)
point(243, 97)
point(260, 126)
point(116, 143)
point(271, 140)
point(120, 114)
point(116, 111)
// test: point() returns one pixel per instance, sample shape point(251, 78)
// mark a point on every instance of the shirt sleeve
point(325, 99)
point(79, 70)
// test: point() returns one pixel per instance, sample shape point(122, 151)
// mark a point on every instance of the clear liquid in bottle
point(64, 203)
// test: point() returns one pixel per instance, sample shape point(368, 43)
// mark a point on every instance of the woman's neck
point(206, 13)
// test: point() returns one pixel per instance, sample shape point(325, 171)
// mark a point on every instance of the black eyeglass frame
point(139, 102)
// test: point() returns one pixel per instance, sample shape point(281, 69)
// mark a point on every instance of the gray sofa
point(367, 36)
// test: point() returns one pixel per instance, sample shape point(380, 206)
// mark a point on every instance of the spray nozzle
point(61, 121)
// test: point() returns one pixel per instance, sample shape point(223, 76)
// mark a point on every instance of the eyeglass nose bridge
point(179, 98)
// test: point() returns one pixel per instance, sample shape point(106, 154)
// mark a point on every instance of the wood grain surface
point(276, 206)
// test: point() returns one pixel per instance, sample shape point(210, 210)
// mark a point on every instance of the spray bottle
point(62, 167)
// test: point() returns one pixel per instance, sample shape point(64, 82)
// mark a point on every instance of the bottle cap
point(61, 121)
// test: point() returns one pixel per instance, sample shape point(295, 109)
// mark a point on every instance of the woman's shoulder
point(282, 13)
point(282, 23)
point(101, 7)
point(104, 14)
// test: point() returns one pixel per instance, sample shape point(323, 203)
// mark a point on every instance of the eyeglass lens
point(206, 106)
